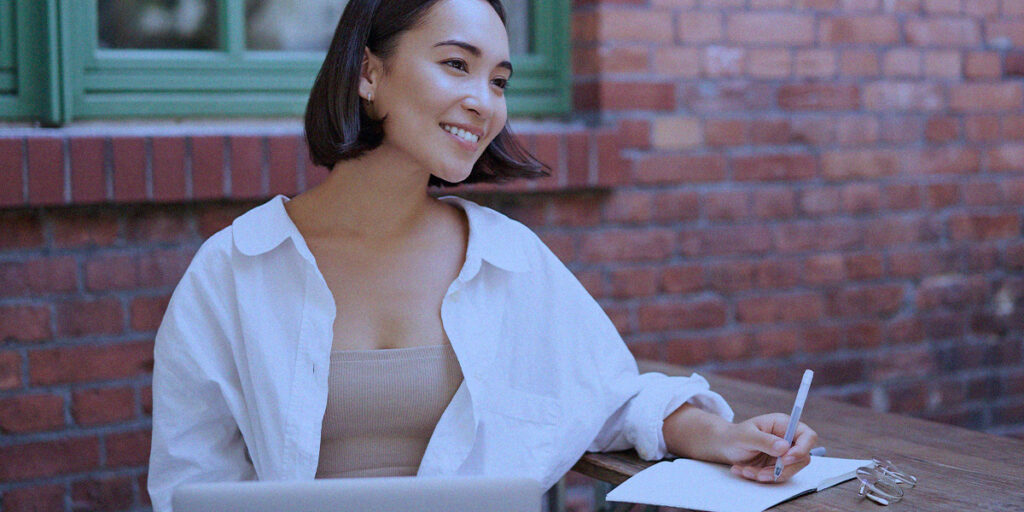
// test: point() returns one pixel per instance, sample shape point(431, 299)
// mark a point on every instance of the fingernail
point(788, 459)
point(780, 446)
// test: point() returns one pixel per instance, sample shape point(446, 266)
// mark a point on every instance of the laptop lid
point(426, 494)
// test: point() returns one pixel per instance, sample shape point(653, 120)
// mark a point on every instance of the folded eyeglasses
point(883, 483)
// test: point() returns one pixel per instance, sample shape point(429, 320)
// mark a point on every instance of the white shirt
point(242, 355)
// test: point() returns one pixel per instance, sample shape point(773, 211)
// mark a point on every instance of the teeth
point(459, 132)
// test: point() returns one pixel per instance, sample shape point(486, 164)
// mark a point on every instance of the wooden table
point(957, 469)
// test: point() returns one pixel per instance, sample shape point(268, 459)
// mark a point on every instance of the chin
point(453, 176)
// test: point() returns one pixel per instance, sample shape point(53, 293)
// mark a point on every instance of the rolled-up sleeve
point(195, 392)
point(638, 423)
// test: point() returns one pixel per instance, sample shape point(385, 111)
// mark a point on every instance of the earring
point(369, 97)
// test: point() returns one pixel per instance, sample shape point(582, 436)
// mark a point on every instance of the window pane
point(157, 24)
point(308, 25)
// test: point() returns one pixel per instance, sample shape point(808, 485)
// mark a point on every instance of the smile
point(460, 133)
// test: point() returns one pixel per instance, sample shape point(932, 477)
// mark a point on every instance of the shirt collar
point(493, 237)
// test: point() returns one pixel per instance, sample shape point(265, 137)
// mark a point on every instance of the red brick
point(774, 167)
point(246, 166)
point(103, 405)
point(169, 175)
point(157, 225)
point(163, 267)
point(868, 300)
point(585, 95)
point(12, 172)
point(627, 245)
point(904, 330)
point(207, 167)
point(731, 276)
point(995, 98)
point(891, 231)
point(88, 170)
point(780, 308)
point(147, 312)
point(875, 30)
point(547, 149)
point(819, 201)
point(631, 24)
point(771, 132)
point(129, 171)
point(734, 239)
point(681, 279)
point(87, 317)
point(214, 217)
point(902, 129)
point(725, 132)
point(636, 96)
point(864, 267)
point(146, 400)
point(575, 210)
point(700, 27)
point(671, 168)
point(701, 314)
point(633, 282)
point(1013, 65)
point(45, 170)
point(10, 370)
point(97, 228)
point(728, 96)
point(22, 229)
point(812, 96)
point(942, 129)
point(943, 32)
point(128, 448)
point(952, 292)
point(861, 163)
point(824, 269)
point(900, 196)
point(1007, 157)
point(34, 499)
point(628, 206)
point(31, 413)
point(816, 236)
point(864, 335)
point(283, 164)
point(38, 276)
point(21, 323)
point(776, 342)
point(821, 338)
point(108, 493)
point(578, 147)
point(775, 203)
point(941, 195)
point(861, 198)
point(612, 169)
point(48, 458)
point(689, 351)
point(676, 205)
point(835, 373)
point(111, 271)
point(915, 263)
point(726, 205)
point(777, 274)
point(976, 227)
point(859, 63)
point(889, 95)
point(635, 133)
point(90, 363)
point(770, 28)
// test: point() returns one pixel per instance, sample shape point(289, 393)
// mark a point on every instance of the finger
point(764, 442)
point(773, 423)
point(792, 469)
point(804, 440)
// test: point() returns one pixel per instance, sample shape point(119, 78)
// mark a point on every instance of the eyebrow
point(475, 51)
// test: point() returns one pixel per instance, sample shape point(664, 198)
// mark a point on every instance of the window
point(187, 58)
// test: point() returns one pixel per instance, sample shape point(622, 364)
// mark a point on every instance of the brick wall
point(749, 187)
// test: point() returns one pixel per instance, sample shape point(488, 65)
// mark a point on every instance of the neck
point(371, 198)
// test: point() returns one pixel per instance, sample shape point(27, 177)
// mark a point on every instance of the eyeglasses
point(883, 483)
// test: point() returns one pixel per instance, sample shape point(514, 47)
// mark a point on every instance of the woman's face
point(446, 73)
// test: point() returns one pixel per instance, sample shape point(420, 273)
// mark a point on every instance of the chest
point(389, 297)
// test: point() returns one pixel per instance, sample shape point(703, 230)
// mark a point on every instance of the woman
point(366, 328)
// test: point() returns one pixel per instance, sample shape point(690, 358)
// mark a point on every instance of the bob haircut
point(337, 126)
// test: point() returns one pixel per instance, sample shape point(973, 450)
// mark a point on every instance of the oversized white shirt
point(242, 355)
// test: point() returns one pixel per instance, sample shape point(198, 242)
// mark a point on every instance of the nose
point(479, 100)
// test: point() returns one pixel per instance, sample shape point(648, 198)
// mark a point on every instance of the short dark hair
point(337, 126)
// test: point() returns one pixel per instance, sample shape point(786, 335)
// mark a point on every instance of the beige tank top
point(382, 407)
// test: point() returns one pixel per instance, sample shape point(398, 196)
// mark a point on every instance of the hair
point(336, 123)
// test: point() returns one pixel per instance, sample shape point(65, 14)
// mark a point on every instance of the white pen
point(794, 417)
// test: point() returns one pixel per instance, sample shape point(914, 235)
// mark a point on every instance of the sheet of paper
point(688, 483)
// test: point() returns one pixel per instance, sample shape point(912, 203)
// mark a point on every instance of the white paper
point(687, 483)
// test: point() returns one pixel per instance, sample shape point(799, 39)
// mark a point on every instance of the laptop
point(426, 494)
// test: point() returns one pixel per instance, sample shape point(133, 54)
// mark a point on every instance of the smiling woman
point(366, 328)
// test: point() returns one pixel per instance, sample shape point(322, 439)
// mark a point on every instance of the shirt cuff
point(660, 396)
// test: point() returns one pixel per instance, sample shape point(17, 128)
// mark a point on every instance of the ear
point(370, 74)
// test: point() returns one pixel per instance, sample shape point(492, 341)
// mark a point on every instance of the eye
point(501, 83)
point(456, 63)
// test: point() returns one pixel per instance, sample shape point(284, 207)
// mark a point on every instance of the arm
point(195, 435)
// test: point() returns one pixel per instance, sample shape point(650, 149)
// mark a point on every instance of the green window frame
point(83, 81)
